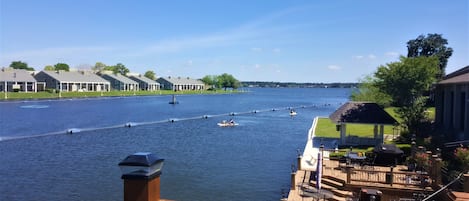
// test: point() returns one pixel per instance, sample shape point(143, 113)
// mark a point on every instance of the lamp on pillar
point(141, 174)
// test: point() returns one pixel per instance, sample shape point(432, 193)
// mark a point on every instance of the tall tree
point(21, 65)
point(62, 66)
point(150, 75)
point(119, 68)
point(406, 81)
point(228, 81)
point(98, 67)
point(431, 45)
point(210, 80)
point(49, 68)
point(368, 91)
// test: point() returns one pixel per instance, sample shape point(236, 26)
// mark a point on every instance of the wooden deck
point(377, 177)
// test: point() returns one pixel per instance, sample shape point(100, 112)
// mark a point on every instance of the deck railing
point(369, 174)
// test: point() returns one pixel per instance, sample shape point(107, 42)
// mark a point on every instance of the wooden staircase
point(336, 186)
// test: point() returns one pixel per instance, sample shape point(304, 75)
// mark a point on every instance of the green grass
point(50, 95)
point(391, 111)
point(326, 128)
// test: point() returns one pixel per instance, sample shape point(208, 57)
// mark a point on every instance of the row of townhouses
point(24, 81)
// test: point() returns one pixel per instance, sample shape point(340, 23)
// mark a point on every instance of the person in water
point(231, 121)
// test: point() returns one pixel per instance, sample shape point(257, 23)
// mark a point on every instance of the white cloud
point(358, 57)
point(334, 67)
point(392, 54)
point(257, 66)
point(256, 49)
point(189, 63)
point(276, 50)
point(371, 56)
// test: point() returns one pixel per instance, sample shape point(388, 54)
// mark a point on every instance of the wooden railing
point(370, 175)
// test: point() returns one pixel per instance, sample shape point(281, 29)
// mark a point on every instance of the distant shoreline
point(43, 95)
point(298, 85)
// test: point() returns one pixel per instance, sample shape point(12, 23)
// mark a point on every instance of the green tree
point(21, 65)
point(227, 81)
point(98, 67)
point(368, 91)
point(431, 45)
point(62, 66)
point(150, 75)
point(407, 79)
point(49, 68)
point(210, 80)
point(119, 68)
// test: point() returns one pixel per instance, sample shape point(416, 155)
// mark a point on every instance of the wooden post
point(299, 162)
point(466, 183)
point(349, 172)
point(293, 182)
point(392, 175)
point(438, 163)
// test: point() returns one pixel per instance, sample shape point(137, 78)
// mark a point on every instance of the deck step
point(332, 183)
point(337, 179)
point(335, 191)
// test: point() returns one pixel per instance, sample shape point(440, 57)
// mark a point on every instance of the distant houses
point(452, 105)
point(13, 80)
point(73, 81)
point(180, 84)
point(120, 82)
point(145, 83)
point(18, 80)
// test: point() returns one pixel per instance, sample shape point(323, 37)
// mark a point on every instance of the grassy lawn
point(430, 113)
point(49, 95)
point(326, 128)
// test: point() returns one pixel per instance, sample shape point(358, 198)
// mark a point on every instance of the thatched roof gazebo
point(362, 113)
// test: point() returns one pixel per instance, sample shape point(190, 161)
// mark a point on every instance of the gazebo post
point(343, 133)
point(381, 133)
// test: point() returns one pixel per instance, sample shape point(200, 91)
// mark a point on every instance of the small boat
point(227, 124)
point(293, 113)
point(73, 130)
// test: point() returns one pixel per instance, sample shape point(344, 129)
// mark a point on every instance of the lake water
point(202, 161)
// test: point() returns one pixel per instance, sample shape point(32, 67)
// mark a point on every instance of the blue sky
point(287, 41)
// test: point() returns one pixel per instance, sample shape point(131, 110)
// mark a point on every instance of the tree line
point(406, 84)
point(224, 81)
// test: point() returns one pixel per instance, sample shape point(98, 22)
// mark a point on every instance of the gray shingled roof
point(145, 79)
point(183, 81)
point(459, 76)
point(362, 113)
point(16, 75)
point(74, 76)
point(121, 78)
